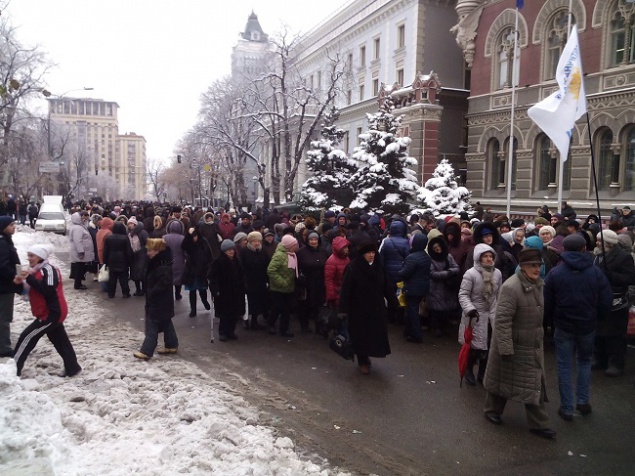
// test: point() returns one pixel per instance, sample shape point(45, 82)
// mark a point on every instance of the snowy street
point(121, 416)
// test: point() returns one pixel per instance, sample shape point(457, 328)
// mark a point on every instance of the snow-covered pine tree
point(385, 179)
point(442, 195)
point(330, 168)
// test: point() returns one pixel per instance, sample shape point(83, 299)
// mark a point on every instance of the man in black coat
point(118, 257)
point(8, 261)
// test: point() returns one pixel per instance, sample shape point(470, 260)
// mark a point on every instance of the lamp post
point(255, 180)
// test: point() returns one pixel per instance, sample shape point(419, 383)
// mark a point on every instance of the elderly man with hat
point(48, 305)
point(577, 294)
point(610, 339)
point(8, 286)
point(516, 367)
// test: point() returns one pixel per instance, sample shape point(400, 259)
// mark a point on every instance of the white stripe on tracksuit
point(27, 339)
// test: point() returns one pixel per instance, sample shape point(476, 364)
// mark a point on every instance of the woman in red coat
point(334, 271)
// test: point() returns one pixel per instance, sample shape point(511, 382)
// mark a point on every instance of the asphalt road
point(409, 416)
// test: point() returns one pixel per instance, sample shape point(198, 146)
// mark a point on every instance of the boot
point(192, 303)
point(204, 300)
point(469, 374)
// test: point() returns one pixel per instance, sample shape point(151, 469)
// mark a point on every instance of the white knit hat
point(43, 251)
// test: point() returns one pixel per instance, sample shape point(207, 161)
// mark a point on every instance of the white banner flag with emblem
point(556, 114)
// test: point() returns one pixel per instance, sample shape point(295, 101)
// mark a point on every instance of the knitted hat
point(610, 237)
point(559, 216)
point(548, 229)
point(574, 242)
point(43, 251)
point(254, 236)
point(227, 245)
point(329, 214)
point(288, 242)
point(245, 216)
point(487, 231)
point(240, 236)
point(299, 227)
point(517, 223)
point(268, 232)
point(133, 220)
point(367, 247)
point(5, 221)
point(312, 235)
point(541, 221)
point(529, 256)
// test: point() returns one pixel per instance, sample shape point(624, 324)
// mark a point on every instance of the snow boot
point(192, 303)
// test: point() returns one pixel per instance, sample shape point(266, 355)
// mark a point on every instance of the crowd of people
point(510, 282)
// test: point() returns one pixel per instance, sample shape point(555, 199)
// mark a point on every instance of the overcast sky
point(153, 57)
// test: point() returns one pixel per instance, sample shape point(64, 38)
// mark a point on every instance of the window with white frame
point(508, 61)
point(622, 34)
point(376, 48)
point(556, 35)
point(401, 36)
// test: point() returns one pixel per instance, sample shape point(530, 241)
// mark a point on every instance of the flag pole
point(510, 160)
point(595, 185)
point(563, 159)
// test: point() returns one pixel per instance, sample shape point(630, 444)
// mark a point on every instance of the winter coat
point(174, 240)
point(443, 272)
point(471, 297)
point(117, 250)
point(393, 250)
point(281, 277)
point(577, 294)
point(226, 230)
point(628, 221)
point(8, 259)
point(311, 262)
point(334, 270)
point(80, 241)
point(517, 332)
point(159, 297)
point(416, 268)
point(254, 265)
point(620, 272)
point(227, 283)
point(457, 247)
point(198, 260)
point(210, 232)
point(138, 238)
point(102, 234)
point(362, 297)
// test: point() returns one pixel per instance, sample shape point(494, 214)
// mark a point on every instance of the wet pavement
point(409, 416)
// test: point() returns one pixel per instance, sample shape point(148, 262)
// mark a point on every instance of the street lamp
point(255, 179)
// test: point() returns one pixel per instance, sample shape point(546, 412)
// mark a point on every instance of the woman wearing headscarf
point(198, 259)
point(365, 291)
point(311, 261)
point(159, 308)
point(158, 228)
point(477, 297)
point(444, 272)
point(174, 240)
point(255, 260)
point(227, 284)
point(283, 272)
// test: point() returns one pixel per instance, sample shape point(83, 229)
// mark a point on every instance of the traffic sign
point(49, 167)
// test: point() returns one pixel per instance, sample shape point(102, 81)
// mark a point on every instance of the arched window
point(506, 59)
point(629, 154)
point(494, 161)
point(606, 175)
point(556, 35)
point(548, 163)
point(622, 34)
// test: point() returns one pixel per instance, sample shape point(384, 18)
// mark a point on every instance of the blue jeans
point(568, 345)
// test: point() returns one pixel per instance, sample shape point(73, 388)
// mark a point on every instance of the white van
point(51, 216)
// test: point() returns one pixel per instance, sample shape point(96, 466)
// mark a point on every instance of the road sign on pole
point(49, 167)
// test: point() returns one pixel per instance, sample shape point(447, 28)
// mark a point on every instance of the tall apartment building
point(606, 36)
point(97, 148)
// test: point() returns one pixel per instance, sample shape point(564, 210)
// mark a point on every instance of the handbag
point(300, 288)
point(104, 274)
point(327, 317)
point(342, 346)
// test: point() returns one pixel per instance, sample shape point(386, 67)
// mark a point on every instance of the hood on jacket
point(175, 226)
point(479, 250)
point(119, 228)
point(374, 220)
point(398, 228)
point(107, 223)
point(419, 242)
point(76, 219)
point(577, 260)
point(453, 228)
point(339, 242)
point(444, 248)
point(478, 233)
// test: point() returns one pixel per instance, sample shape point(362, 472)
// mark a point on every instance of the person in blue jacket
point(416, 276)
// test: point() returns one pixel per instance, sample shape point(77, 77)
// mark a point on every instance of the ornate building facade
point(606, 31)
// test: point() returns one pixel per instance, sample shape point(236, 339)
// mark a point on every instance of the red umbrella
point(465, 351)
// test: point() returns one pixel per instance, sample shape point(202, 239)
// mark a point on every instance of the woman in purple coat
point(174, 239)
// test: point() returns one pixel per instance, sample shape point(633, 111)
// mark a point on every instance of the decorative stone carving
point(465, 30)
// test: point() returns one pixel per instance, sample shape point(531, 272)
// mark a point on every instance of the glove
point(507, 358)
point(473, 314)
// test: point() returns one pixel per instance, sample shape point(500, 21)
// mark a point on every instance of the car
point(51, 220)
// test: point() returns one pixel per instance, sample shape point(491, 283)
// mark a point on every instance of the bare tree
point(154, 171)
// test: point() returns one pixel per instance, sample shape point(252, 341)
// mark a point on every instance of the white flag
point(556, 115)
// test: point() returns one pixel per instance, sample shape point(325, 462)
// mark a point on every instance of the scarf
point(33, 270)
point(292, 263)
point(487, 272)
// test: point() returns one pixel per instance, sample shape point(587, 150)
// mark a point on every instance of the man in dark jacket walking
point(8, 261)
point(576, 295)
point(416, 276)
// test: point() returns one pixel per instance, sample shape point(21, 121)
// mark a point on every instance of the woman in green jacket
point(283, 271)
